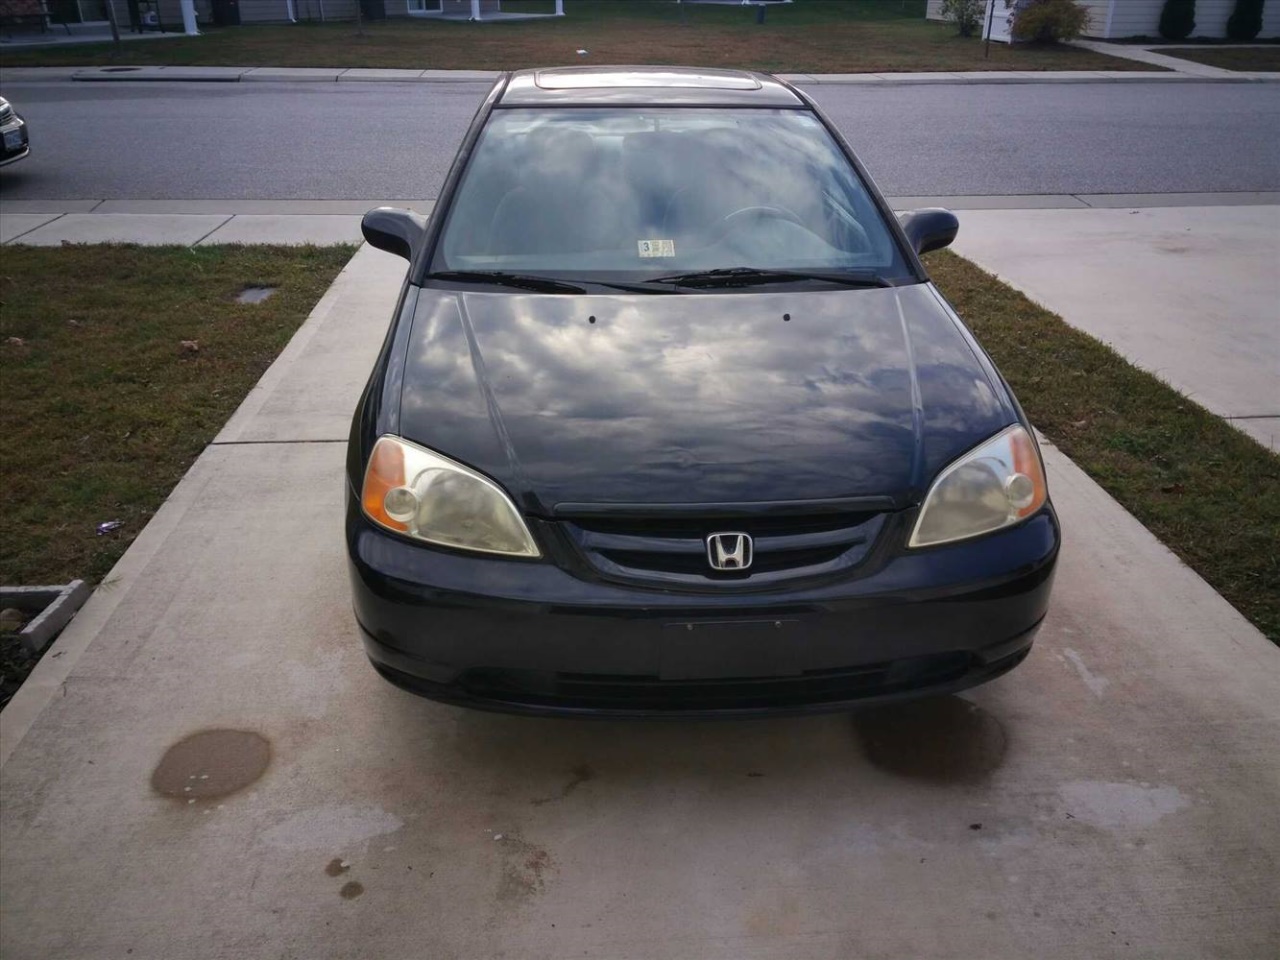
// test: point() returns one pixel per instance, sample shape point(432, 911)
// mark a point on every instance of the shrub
point(1048, 21)
point(1177, 19)
point(966, 13)
point(1246, 22)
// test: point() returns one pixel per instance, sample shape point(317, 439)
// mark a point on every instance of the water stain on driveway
point(211, 763)
point(943, 739)
point(579, 775)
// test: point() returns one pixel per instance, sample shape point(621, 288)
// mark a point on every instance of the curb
point(178, 74)
point(1014, 77)
point(273, 75)
point(56, 605)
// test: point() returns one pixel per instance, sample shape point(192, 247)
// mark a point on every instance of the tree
point(1177, 19)
point(1246, 22)
point(966, 13)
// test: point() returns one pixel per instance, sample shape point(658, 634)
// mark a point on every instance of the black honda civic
point(671, 422)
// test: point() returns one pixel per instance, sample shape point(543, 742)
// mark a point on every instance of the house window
point(77, 11)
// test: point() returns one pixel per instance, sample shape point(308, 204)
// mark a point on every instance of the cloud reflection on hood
point(705, 398)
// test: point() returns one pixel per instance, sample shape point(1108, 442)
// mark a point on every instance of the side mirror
point(930, 229)
point(394, 230)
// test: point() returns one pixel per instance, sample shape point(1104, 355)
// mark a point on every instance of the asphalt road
point(395, 141)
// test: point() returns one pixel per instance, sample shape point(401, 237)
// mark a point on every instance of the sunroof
point(572, 78)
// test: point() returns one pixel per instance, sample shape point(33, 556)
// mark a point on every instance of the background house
point(168, 13)
point(1112, 19)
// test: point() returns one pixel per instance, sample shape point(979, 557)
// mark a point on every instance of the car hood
point(708, 398)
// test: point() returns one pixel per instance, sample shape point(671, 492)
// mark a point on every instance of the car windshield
point(638, 194)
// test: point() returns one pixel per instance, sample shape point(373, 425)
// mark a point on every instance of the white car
point(13, 129)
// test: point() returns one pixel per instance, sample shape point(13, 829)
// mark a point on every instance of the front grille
point(699, 527)
point(696, 563)
point(671, 551)
point(6, 115)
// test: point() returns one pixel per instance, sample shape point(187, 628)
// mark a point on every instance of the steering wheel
point(726, 223)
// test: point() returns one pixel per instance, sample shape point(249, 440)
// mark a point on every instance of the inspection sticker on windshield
point(657, 248)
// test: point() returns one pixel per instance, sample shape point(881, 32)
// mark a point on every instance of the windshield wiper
point(640, 286)
point(751, 276)
point(523, 281)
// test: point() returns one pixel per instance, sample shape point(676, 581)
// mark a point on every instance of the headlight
point(991, 486)
point(424, 495)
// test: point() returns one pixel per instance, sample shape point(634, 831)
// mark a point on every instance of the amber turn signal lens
point(385, 473)
point(1026, 460)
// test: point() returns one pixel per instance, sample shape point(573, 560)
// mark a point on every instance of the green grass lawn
point(1208, 491)
point(808, 36)
point(102, 409)
point(1232, 58)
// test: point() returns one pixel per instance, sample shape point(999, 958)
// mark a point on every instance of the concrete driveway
point(1190, 293)
point(1116, 796)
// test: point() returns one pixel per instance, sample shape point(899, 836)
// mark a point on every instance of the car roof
point(645, 86)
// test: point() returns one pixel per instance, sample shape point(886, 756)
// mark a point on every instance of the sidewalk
point(1150, 55)
point(189, 222)
point(1115, 793)
point(1191, 294)
point(206, 222)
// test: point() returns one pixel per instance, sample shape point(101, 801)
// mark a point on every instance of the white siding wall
point(263, 11)
point(1270, 20)
point(333, 9)
point(1141, 18)
point(1211, 17)
point(1098, 11)
point(1137, 18)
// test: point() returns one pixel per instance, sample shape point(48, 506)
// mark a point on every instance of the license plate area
point(12, 139)
point(731, 649)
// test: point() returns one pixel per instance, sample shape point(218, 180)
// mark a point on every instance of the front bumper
point(528, 637)
point(15, 141)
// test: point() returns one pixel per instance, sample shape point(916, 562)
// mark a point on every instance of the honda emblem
point(729, 551)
